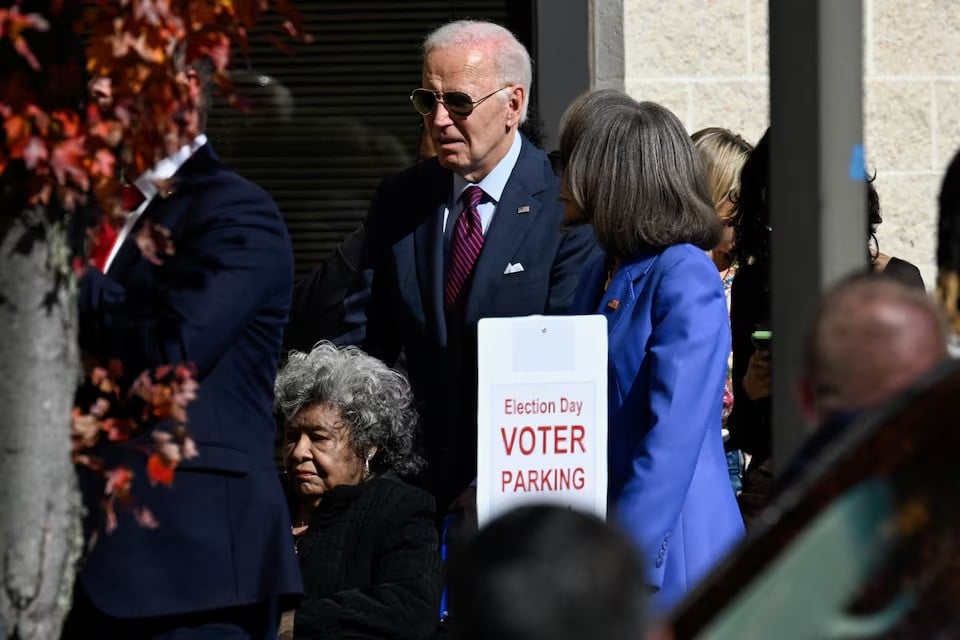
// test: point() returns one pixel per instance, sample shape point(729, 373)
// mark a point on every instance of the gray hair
point(633, 170)
point(510, 58)
point(375, 402)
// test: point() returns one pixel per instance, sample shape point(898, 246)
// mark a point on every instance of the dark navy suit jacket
point(220, 303)
point(668, 342)
point(405, 241)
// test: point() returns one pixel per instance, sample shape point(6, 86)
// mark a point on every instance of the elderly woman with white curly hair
point(366, 539)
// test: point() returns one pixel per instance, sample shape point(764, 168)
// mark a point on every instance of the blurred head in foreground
point(871, 338)
point(548, 573)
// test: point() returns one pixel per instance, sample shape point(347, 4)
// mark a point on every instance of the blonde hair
point(723, 154)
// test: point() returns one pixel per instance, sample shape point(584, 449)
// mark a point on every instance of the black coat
point(749, 422)
point(370, 564)
point(329, 304)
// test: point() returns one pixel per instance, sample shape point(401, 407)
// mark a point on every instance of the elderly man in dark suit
point(473, 233)
point(222, 555)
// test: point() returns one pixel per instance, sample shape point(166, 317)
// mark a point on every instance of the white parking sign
point(542, 413)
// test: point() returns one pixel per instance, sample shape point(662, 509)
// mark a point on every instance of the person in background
point(631, 172)
point(723, 153)
point(365, 539)
point(548, 573)
point(749, 422)
point(948, 250)
point(893, 267)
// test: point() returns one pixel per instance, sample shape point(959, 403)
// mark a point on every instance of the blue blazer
point(669, 338)
point(221, 303)
point(405, 239)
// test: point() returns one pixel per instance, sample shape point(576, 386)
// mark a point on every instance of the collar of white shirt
point(167, 167)
point(496, 181)
point(147, 183)
point(492, 184)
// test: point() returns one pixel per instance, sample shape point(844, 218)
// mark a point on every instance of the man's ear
point(515, 105)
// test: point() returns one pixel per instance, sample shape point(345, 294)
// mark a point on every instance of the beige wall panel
point(606, 44)
point(898, 124)
point(759, 43)
point(707, 60)
point(742, 107)
point(947, 133)
point(686, 38)
point(915, 37)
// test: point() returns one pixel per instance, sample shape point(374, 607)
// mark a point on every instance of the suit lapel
point(621, 295)
point(428, 249)
point(516, 214)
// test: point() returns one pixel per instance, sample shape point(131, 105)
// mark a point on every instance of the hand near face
point(756, 382)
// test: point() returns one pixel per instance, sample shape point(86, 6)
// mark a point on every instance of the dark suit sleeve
point(382, 339)
point(577, 248)
point(330, 303)
point(403, 600)
point(231, 257)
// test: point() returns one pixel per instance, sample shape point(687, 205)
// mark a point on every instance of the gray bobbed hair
point(374, 401)
point(634, 172)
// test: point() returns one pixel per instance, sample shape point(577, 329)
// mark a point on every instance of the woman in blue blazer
point(631, 171)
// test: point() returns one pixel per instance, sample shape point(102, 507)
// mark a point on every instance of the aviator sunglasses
point(456, 102)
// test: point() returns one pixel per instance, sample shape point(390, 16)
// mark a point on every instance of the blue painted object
point(858, 162)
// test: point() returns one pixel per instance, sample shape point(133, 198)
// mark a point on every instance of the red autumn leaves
point(135, 49)
point(146, 417)
point(72, 156)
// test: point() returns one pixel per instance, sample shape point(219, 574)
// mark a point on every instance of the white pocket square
point(513, 268)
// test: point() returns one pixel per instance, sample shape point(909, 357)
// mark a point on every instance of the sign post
point(542, 413)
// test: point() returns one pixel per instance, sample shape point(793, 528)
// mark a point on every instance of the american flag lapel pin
point(613, 304)
point(524, 209)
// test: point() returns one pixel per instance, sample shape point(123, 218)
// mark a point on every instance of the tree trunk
point(39, 366)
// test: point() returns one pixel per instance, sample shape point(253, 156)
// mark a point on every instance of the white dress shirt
point(493, 185)
point(147, 184)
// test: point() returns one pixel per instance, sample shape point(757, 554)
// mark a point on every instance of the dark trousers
point(258, 621)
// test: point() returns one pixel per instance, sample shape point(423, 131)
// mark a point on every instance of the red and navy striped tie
point(465, 246)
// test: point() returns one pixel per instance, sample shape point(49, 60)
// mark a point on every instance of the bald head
point(871, 338)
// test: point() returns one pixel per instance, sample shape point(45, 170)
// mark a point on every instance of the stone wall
point(707, 61)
